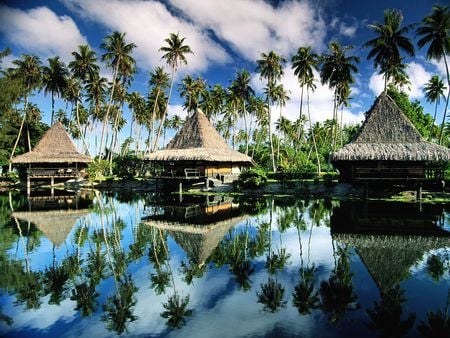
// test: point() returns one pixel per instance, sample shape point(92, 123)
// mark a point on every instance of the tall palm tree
point(434, 90)
point(391, 39)
point(54, 79)
point(158, 82)
point(243, 90)
point(311, 86)
point(28, 70)
point(280, 96)
point(434, 31)
point(337, 71)
point(303, 64)
point(175, 55)
point(118, 57)
point(137, 104)
point(270, 67)
point(218, 96)
point(83, 67)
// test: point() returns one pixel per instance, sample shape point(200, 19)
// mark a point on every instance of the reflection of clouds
point(42, 318)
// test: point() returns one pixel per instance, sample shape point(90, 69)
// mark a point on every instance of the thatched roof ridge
point(388, 135)
point(198, 140)
point(54, 147)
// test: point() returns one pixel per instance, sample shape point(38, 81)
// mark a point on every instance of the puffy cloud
point(148, 24)
point(347, 30)
point(254, 26)
point(40, 31)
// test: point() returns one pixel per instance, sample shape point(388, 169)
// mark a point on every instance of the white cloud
point(376, 83)
point(40, 31)
point(253, 26)
point(148, 24)
point(347, 30)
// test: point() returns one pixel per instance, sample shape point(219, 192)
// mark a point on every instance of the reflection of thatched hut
point(55, 224)
point(198, 229)
point(389, 258)
point(388, 146)
point(55, 156)
point(198, 151)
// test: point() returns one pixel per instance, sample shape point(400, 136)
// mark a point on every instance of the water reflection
point(223, 266)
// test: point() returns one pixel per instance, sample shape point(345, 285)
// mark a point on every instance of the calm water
point(99, 265)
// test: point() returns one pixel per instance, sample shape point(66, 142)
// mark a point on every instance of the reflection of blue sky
point(221, 308)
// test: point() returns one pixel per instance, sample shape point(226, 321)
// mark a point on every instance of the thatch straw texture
point(54, 147)
point(55, 224)
point(197, 140)
point(388, 135)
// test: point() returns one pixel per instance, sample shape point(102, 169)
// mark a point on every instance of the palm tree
point(29, 72)
point(137, 104)
point(117, 57)
point(280, 96)
point(54, 79)
point(174, 55)
point(434, 90)
point(218, 96)
point(387, 45)
point(159, 82)
point(434, 31)
point(336, 70)
point(243, 90)
point(270, 67)
point(303, 64)
point(83, 67)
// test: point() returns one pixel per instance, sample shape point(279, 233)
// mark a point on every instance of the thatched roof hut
point(197, 150)
point(54, 224)
point(54, 147)
point(387, 136)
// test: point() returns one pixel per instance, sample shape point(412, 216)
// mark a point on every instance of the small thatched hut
point(55, 156)
point(198, 151)
point(388, 146)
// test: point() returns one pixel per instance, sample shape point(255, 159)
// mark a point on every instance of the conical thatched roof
point(388, 135)
point(55, 224)
point(54, 147)
point(198, 241)
point(197, 140)
point(389, 258)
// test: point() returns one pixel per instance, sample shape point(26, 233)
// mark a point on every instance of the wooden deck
point(398, 174)
point(52, 172)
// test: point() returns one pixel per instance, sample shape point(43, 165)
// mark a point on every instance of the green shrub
point(127, 166)
point(252, 178)
point(98, 169)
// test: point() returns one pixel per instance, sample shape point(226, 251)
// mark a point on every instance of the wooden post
point(180, 191)
point(419, 193)
point(28, 185)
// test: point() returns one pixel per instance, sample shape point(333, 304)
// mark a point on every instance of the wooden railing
point(399, 173)
point(55, 172)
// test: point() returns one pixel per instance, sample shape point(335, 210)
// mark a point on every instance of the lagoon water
point(98, 265)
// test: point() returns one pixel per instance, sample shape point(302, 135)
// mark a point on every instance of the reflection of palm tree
point(85, 296)
point(337, 296)
point(438, 322)
point(271, 295)
point(387, 315)
point(55, 279)
point(305, 297)
point(119, 307)
point(192, 270)
point(176, 310)
point(435, 267)
point(160, 280)
point(29, 289)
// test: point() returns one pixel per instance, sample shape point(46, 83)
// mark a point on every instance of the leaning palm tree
point(241, 86)
point(54, 79)
point(29, 72)
point(270, 67)
point(434, 90)
point(434, 31)
point(391, 39)
point(118, 57)
point(174, 55)
point(280, 96)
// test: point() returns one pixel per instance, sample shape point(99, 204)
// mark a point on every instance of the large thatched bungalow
point(388, 147)
point(198, 152)
point(54, 157)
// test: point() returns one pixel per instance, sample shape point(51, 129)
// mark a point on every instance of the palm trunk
point(85, 146)
point(163, 118)
point(20, 133)
point(434, 119)
point(270, 130)
point(312, 134)
point(300, 118)
point(446, 101)
point(108, 108)
point(53, 109)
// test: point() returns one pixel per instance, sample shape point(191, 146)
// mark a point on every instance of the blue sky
point(225, 36)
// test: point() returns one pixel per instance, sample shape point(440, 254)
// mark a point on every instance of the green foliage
point(98, 169)
point(414, 112)
point(252, 178)
point(127, 166)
